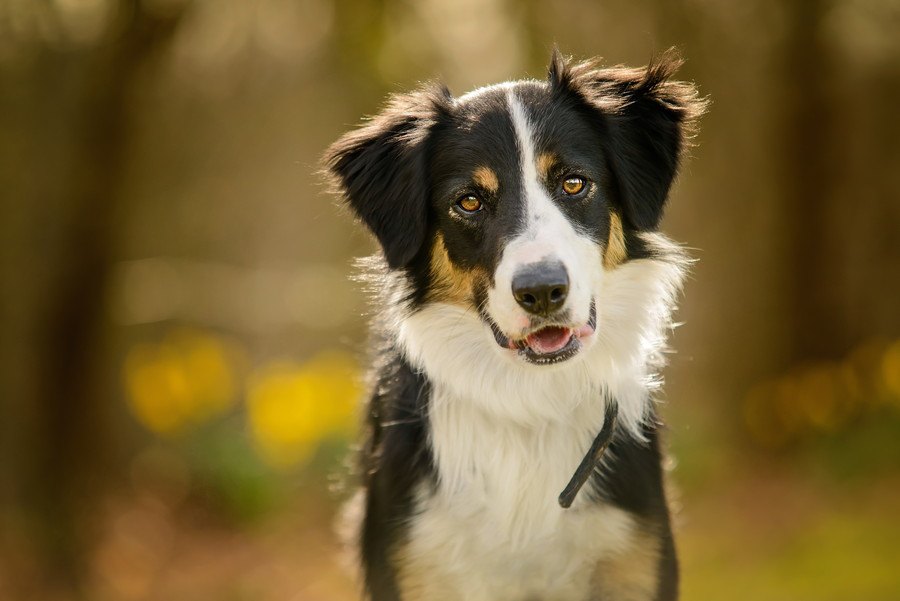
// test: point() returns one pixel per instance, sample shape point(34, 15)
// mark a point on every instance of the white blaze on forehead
point(544, 222)
point(547, 234)
point(531, 186)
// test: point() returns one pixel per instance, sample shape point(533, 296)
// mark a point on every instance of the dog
point(522, 296)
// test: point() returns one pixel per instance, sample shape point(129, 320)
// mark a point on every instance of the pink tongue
point(549, 340)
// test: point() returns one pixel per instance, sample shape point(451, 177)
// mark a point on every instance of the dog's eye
point(469, 203)
point(573, 184)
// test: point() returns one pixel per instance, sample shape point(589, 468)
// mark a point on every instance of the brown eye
point(469, 203)
point(573, 185)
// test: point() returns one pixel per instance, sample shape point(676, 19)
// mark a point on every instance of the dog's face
point(513, 202)
point(521, 198)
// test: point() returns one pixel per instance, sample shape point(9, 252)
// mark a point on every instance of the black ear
point(380, 170)
point(647, 120)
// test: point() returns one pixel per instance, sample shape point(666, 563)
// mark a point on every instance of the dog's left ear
point(380, 169)
point(646, 121)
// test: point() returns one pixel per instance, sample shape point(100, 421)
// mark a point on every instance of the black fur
point(479, 133)
point(395, 458)
point(631, 478)
point(381, 170)
point(645, 119)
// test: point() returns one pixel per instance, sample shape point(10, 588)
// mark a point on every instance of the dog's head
point(514, 202)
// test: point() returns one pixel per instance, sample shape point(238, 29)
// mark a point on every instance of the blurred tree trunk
point(808, 178)
point(72, 445)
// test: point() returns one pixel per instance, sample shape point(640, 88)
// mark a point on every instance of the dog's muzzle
point(549, 342)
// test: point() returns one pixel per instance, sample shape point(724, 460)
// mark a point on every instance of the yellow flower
point(890, 370)
point(186, 379)
point(292, 408)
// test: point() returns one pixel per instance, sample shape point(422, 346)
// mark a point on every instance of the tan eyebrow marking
point(545, 163)
point(615, 252)
point(486, 178)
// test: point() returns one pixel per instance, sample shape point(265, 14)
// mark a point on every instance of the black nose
point(541, 288)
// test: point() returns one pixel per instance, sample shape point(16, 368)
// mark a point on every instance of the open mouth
point(548, 344)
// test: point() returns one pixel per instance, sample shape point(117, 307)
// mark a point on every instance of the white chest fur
point(493, 530)
point(507, 436)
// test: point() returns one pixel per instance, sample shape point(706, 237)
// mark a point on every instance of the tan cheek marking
point(545, 163)
point(615, 252)
point(631, 575)
point(449, 283)
point(486, 179)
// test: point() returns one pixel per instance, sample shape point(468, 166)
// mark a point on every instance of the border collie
point(523, 297)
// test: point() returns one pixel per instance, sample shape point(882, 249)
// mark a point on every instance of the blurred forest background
point(180, 343)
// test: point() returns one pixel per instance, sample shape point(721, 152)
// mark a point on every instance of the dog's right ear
point(380, 169)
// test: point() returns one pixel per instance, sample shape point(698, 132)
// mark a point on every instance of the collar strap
point(592, 458)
